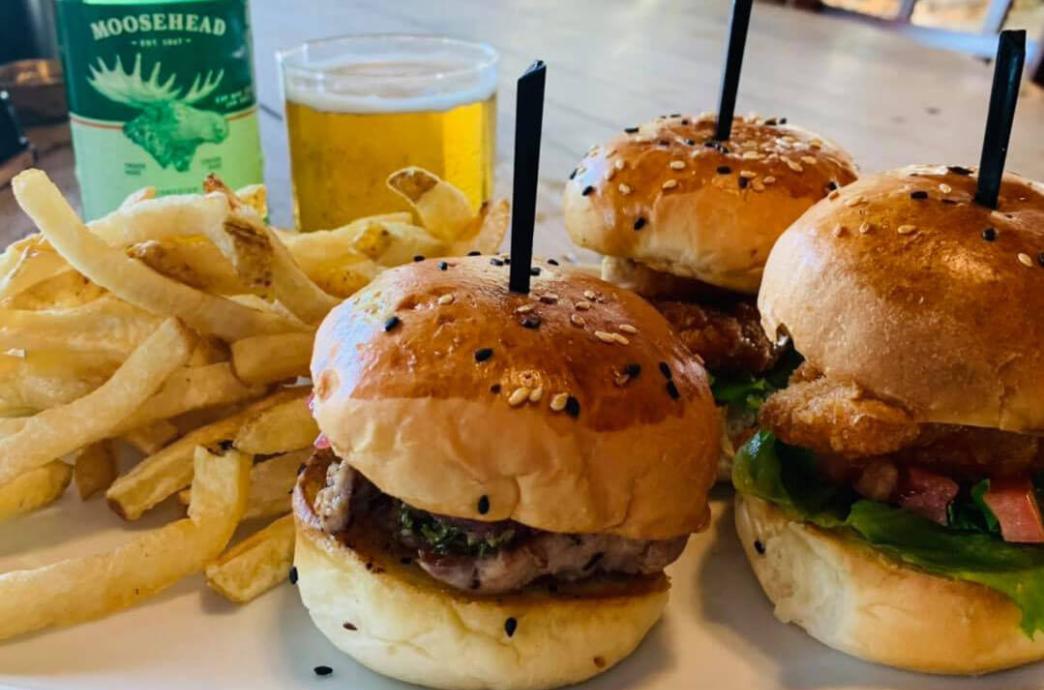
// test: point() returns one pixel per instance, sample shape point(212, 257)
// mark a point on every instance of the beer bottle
point(161, 93)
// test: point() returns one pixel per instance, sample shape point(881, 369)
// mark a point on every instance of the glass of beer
point(361, 107)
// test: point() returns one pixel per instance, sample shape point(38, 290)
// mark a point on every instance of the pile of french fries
point(178, 331)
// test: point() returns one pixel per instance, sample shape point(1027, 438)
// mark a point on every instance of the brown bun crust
point(850, 597)
point(904, 296)
point(707, 226)
point(392, 618)
point(420, 417)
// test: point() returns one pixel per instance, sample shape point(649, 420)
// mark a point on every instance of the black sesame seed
point(530, 321)
point(552, 262)
point(690, 142)
point(483, 505)
point(782, 120)
point(633, 369)
point(666, 371)
point(630, 130)
point(771, 122)
point(1040, 258)
point(672, 390)
point(510, 625)
point(723, 170)
point(831, 185)
point(572, 407)
point(675, 115)
point(483, 353)
point(443, 265)
point(573, 174)
point(685, 121)
point(959, 170)
point(474, 252)
point(587, 190)
point(534, 270)
point(989, 234)
point(495, 388)
point(226, 444)
point(322, 670)
point(293, 575)
point(349, 626)
point(759, 547)
point(391, 323)
point(418, 257)
point(496, 262)
point(663, 142)
point(920, 194)
point(743, 182)
point(507, 260)
point(639, 223)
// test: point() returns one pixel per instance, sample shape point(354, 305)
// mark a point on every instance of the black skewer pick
point(1007, 76)
point(733, 64)
point(529, 115)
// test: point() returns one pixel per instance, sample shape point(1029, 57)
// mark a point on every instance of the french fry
point(136, 197)
point(271, 358)
point(178, 215)
point(194, 261)
point(34, 489)
point(443, 209)
point(255, 196)
point(27, 386)
point(393, 243)
point(130, 279)
point(94, 469)
point(166, 472)
point(256, 564)
point(150, 439)
point(270, 484)
point(82, 589)
point(279, 428)
point(491, 225)
point(31, 261)
point(65, 290)
point(105, 325)
point(60, 430)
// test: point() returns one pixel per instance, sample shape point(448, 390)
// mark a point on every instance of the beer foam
point(392, 84)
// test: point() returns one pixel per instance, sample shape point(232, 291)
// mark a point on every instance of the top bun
point(901, 283)
point(667, 195)
point(421, 383)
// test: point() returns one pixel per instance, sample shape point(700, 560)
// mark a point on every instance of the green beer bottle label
point(161, 93)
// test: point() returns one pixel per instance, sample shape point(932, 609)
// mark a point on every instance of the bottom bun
point(852, 598)
point(394, 619)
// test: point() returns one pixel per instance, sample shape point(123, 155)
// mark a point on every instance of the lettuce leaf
point(785, 475)
point(746, 393)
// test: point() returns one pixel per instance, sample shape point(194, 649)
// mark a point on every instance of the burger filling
point(478, 556)
point(956, 501)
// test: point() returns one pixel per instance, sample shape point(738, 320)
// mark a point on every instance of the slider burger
point(890, 504)
point(687, 222)
point(506, 478)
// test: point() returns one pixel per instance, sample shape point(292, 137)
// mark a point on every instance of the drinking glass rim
point(491, 56)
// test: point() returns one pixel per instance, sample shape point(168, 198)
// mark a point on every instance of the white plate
point(718, 632)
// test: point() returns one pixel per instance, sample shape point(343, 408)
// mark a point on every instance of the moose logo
point(168, 128)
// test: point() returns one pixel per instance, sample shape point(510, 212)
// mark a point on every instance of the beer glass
point(360, 107)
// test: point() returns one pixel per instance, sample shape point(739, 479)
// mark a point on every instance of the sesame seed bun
point(852, 598)
point(450, 392)
point(662, 196)
point(890, 283)
point(392, 618)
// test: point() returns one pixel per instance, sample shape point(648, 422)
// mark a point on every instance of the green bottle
point(161, 93)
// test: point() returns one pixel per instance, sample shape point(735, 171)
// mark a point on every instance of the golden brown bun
point(394, 619)
point(852, 598)
point(906, 298)
point(707, 226)
point(415, 412)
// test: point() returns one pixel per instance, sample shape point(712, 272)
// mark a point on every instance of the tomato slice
point(1014, 503)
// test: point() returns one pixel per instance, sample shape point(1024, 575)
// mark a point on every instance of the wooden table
point(613, 63)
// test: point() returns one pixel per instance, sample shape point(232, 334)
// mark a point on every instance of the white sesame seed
point(769, 179)
point(624, 189)
point(609, 174)
point(576, 320)
point(669, 184)
point(677, 165)
point(446, 299)
point(518, 396)
point(839, 230)
point(751, 156)
point(816, 143)
point(524, 309)
point(558, 402)
point(793, 165)
point(1025, 259)
point(854, 201)
point(549, 298)
point(833, 195)
point(620, 339)
point(536, 394)
point(808, 159)
point(906, 229)
point(581, 169)
point(619, 164)
point(865, 228)
point(583, 305)
point(610, 153)
point(757, 186)
point(748, 174)
point(627, 328)
point(590, 294)
point(945, 188)
point(605, 337)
